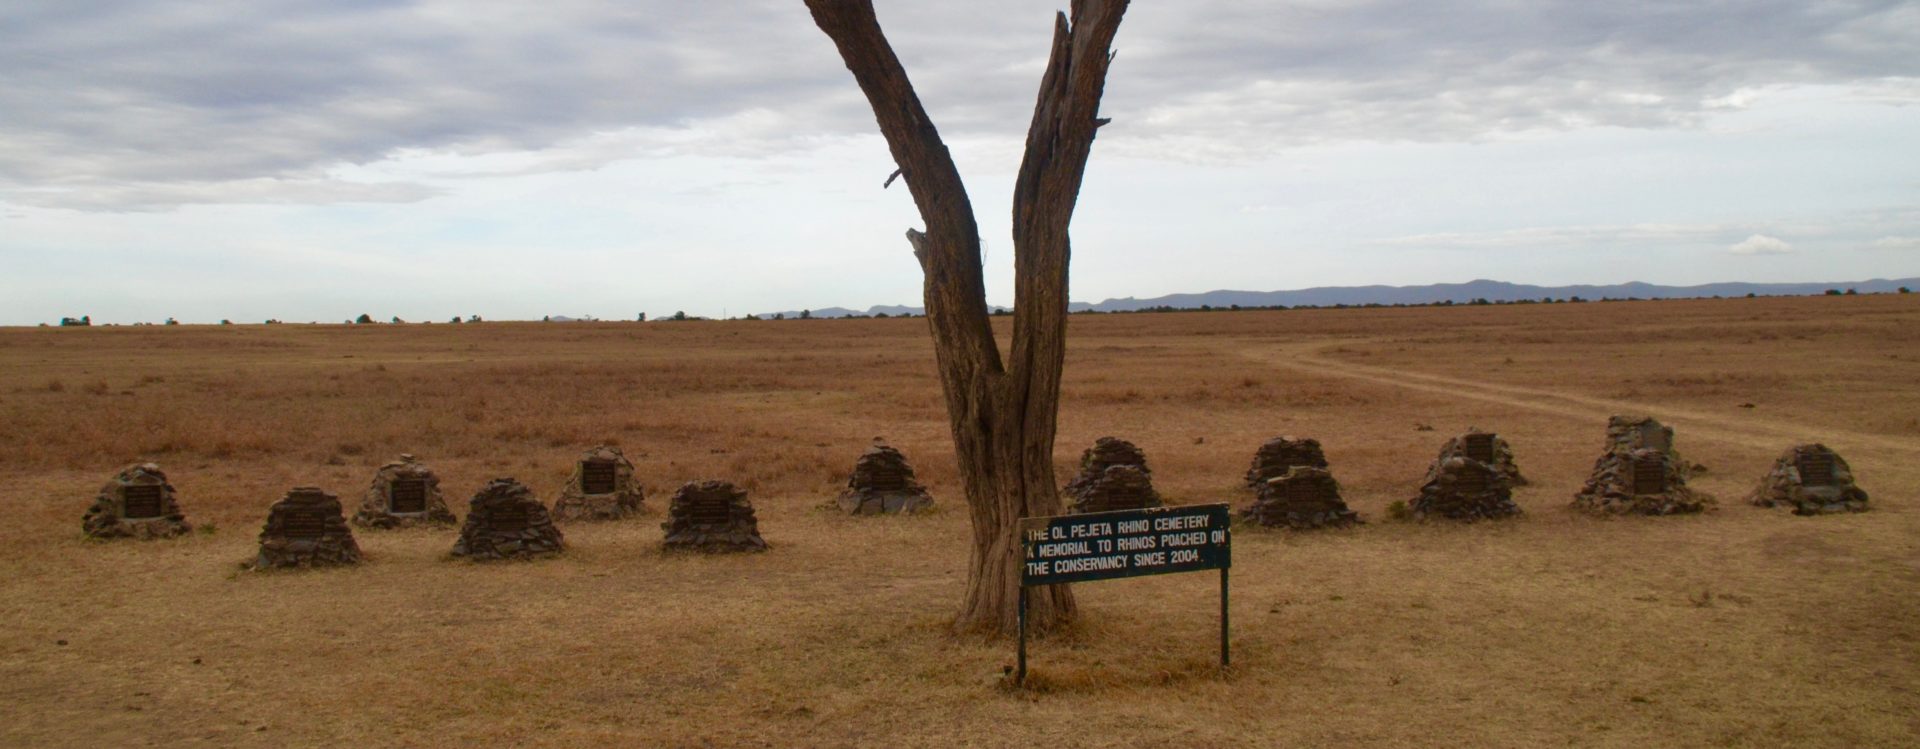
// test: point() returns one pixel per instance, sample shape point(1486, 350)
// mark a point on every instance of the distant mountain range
point(1458, 293)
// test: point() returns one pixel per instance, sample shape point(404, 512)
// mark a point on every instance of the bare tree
point(1003, 414)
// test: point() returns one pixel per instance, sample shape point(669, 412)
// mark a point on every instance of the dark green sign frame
point(1125, 543)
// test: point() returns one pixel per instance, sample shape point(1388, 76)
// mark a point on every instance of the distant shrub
point(1398, 510)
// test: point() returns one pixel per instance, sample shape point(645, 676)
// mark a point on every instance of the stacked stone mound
point(1813, 480)
point(1484, 447)
point(712, 516)
point(1113, 476)
point(306, 528)
point(505, 521)
point(1461, 488)
point(1644, 481)
point(1280, 454)
point(882, 483)
point(1627, 433)
point(404, 493)
point(1304, 498)
point(136, 503)
point(601, 487)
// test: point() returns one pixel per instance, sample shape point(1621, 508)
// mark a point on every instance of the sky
point(319, 159)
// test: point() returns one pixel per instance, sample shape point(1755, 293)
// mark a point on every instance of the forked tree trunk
point(1003, 414)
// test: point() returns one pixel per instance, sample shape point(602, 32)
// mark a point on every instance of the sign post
point(1125, 543)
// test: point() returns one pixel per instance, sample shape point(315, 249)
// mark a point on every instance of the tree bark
point(1003, 414)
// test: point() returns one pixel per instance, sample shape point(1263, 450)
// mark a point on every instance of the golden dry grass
point(1742, 627)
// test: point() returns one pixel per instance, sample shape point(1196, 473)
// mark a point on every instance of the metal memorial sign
point(1125, 543)
point(597, 477)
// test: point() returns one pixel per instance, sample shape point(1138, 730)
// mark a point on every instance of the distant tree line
point(681, 315)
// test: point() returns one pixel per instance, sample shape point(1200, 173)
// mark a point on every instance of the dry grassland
point(1741, 627)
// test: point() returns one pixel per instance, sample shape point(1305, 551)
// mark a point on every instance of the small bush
point(1399, 511)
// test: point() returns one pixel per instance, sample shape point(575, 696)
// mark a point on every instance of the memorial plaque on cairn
point(882, 484)
point(712, 516)
point(505, 521)
point(404, 493)
point(1813, 480)
point(143, 502)
point(136, 503)
point(602, 487)
point(409, 497)
point(1649, 474)
point(306, 528)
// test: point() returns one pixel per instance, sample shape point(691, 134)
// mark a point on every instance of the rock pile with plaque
point(601, 487)
point(505, 521)
point(882, 484)
point(1279, 454)
point(1461, 488)
point(1813, 480)
point(1304, 498)
point(136, 503)
point(306, 528)
point(404, 493)
point(1484, 447)
point(1113, 476)
point(712, 516)
point(1640, 473)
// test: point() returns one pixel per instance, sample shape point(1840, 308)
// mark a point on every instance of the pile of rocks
point(506, 521)
point(1461, 488)
point(883, 483)
point(1304, 498)
point(1643, 481)
point(1276, 456)
point(1813, 480)
point(136, 503)
point(1113, 476)
point(404, 493)
point(306, 528)
point(1484, 447)
point(712, 516)
point(601, 487)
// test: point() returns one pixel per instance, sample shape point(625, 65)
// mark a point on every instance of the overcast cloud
point(440, 107)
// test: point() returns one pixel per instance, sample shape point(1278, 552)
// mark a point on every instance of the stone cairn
point(1276, 456)
point(1813, 480)
point(505, 521)
point(136, 503)
point(1461, 488)
point(1640, 473)
point(1303, 498)
point(404, 493)
point(883, 484)
point(601, 487)
point(712, 516)
point(1113, 476)
point(1640, 482)
point(306, 529)
point(1484, 447)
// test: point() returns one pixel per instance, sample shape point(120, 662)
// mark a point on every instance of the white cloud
point(1897, 243)
point(1761, 244)
point(117, 98)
